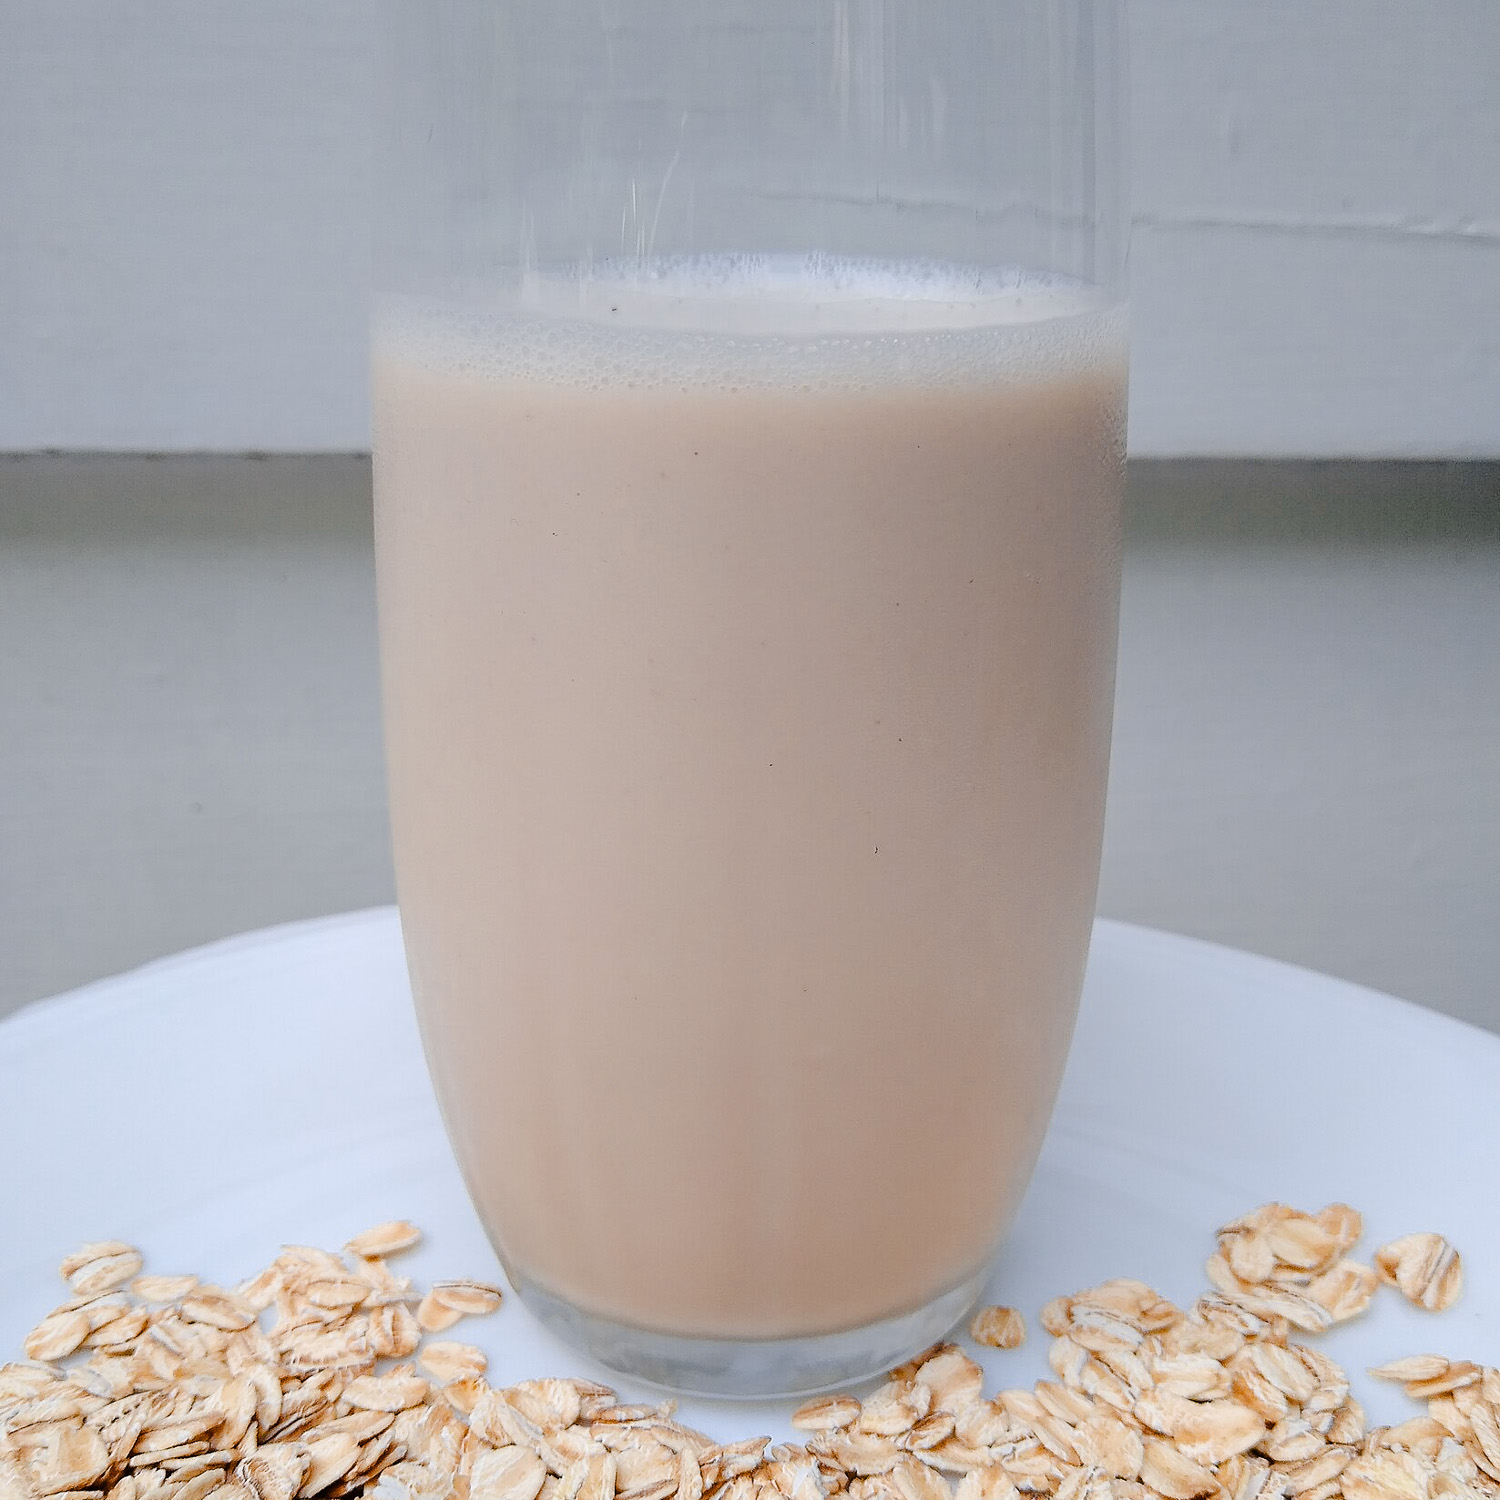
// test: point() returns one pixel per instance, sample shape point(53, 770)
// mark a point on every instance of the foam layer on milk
point(762, 322)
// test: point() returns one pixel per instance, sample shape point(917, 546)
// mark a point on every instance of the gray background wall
point(185, 190)
point(1308, 732)
point(1307, 748)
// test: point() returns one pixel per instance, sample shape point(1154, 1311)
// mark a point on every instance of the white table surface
point(270, 1089)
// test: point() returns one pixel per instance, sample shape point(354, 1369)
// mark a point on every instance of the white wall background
point(1307, 734)
point(184, 189)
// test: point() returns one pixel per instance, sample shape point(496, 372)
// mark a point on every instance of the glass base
point(754, 1367)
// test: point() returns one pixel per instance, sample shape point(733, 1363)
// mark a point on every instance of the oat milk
point(748, 641)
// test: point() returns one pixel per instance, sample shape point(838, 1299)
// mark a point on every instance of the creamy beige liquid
point(748, 655)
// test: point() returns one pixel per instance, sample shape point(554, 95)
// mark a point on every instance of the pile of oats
point(312, 1379)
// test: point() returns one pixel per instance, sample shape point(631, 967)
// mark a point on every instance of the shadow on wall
point(1307, 755)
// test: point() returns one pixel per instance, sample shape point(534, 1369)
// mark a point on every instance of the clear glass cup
point(749, 387)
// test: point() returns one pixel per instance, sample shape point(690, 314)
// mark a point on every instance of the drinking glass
point(749, 385)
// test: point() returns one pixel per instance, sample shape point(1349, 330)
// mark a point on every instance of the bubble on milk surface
point(771, 323)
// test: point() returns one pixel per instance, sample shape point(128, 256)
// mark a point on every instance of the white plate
point(270, 1089)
